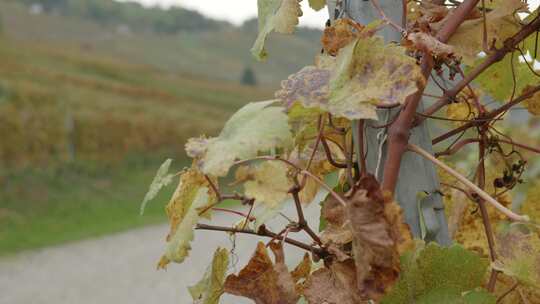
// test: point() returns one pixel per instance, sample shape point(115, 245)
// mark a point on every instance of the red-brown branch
point(508, 46)
point(266, 233)
point(398, 135)
point(490, 115)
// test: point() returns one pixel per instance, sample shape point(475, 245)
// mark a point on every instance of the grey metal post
point(416, 174)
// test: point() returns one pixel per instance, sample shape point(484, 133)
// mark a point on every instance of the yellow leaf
point(502, 22)
point(210, 288)
point(270, 183)
point(183, 210)
point(533, 103)
point(279, 15)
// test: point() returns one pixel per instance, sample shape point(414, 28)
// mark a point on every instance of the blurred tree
point(132, 14)
point(248, 77)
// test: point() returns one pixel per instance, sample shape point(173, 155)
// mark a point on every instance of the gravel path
point(120, 268)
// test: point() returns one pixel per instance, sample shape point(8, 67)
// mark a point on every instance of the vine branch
point(509, 213)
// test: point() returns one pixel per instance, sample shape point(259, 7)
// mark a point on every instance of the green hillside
point(218, 52)
point(82, 136)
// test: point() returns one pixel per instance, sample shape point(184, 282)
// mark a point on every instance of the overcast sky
point(236, 11)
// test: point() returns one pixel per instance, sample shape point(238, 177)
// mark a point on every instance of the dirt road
point(120, 268)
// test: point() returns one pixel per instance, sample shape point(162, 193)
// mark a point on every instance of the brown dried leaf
point(337, 231)
point(427, 43)
point(265, 282)
point(333, 285)
point(339, 35)
point(379, 236)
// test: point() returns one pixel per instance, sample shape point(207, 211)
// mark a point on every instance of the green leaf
point(303, 124)
point(254, 128)
point(498, 81)
point(317, 4)
point(367, 73)
point(210, 288)
point(434, 272)
point(519, 255)
point(479, 297)
point(161, 180)
point(274, 15)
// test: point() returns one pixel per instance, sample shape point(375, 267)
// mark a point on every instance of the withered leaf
point(265, 282)
point(379, 235)
point(335, 284)
point(427, 43)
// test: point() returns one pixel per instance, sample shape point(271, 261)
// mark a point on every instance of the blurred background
point(94, 95)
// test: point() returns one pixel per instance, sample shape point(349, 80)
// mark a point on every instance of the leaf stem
point(511, 215)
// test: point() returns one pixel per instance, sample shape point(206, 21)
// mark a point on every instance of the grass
point(47, 207)
point(87, 115)
point(82, 135)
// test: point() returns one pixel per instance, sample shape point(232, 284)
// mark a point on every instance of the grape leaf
point(336, 231)
point(379, 236)
point(498, 81)
point(519, 255)
point(191, 194)
point(427, 43)
point(255, 127)
point(502, 22)
point(265, 282)
point(459, 111)
point(530, 44)
point(434, 272)
point(210, 288)
point(309, 86)
point(367, 73)
point(339, 34)
point(161, 180)
point(530, 206)
point(533, 103)
point(274, 15)
point(269, 183)
point(317, 4)
point(333, 284)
